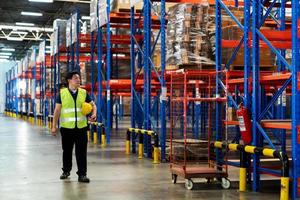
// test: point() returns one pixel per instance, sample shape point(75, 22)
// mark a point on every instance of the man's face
point(75, 81)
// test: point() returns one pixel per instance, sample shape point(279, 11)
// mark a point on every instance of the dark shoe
point(65, 175)
point(83, 179)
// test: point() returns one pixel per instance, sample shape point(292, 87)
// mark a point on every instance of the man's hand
point(54, 130)
point(92, 118)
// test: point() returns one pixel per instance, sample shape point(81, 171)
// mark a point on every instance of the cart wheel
point(174, 178)
point(225, 183)
point(189, 184)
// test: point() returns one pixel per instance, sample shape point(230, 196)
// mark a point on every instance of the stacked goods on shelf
point(233, 32)
point(63, 72)
point(127, 103)
point(124, 5)
point(188, 41)
point(230, 31)
point(61, 26)
point(86, 73)
point(48, 79)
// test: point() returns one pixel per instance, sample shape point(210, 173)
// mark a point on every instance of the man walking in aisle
point(73, 125)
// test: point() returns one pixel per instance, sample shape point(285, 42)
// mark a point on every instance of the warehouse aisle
point(30, 161)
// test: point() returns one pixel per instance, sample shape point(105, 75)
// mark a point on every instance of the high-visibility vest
point(70, 110)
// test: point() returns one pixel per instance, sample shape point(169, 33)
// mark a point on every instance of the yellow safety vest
point(71, 112)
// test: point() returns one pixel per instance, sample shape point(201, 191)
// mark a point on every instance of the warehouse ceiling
point(11, 14)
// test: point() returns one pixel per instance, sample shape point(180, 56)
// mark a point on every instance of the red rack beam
point(272, 124)
point(276, 44)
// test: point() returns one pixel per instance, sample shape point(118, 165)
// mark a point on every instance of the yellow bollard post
point(284, 191)
point(141, 146)
point(156, 155)
point(89, 136)
point(103, 140)
point(127, 147)
point(156, 149)
point(243, 174)
point(95, 138)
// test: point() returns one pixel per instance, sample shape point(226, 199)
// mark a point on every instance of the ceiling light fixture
point(85, 17)
point(15, 39)
point(7, 49)
point(3, 60)
point(42, 1)
point(19, 32)
point(5, 54)
point(24, 24)
point(37, 14)
point(26, 28)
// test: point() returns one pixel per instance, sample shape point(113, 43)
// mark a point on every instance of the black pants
point(69, 137)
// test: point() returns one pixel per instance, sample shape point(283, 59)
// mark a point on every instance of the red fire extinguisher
point(244, 123)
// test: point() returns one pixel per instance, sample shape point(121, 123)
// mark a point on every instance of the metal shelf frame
point(254, 97)
point(144, 52)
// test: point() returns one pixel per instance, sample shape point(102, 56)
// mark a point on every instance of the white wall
point(4, 67)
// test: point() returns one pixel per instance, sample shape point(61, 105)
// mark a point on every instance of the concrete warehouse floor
point(30, 166)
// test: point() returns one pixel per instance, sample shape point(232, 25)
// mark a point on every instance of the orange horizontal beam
point(272, 124)
point(210, 2)
point(88, 50)
point(277, 124)
point(207, 99)
point(272, 23)
point(264, 78)
point(115, 39)
point(276, 44)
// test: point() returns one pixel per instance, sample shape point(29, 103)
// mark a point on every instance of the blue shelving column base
point(295, 100)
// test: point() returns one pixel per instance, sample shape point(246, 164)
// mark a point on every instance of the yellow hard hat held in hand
point(86, 108)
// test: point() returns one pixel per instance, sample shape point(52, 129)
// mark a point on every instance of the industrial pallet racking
point(261, 91)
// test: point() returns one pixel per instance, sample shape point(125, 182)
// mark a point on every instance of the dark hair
point(70, 75)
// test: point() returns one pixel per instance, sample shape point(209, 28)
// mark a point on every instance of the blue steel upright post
point(108, 74)
point(92, 60)
point(147, 74)
point(255, 90)
point(132, 75)
point(34, 80)
point(247, 67)
point(218, 69)
point(281, 67)
point(163, 87)
point(99, 73)
point(295, 99)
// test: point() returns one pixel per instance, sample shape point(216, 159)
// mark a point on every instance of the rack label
point(241, 123)
point(163, 96)
point(197, 96)
point(108, 95)
point(283, 96)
